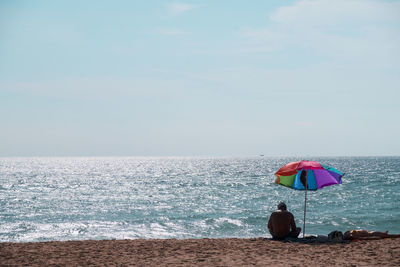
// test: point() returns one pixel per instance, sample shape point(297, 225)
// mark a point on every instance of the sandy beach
point(201, 252)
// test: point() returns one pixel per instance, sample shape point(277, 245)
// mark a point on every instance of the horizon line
point(197, 156)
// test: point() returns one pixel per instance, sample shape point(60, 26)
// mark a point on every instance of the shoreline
point(201, 252)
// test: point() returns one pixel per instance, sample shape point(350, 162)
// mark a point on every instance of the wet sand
point(201, 252)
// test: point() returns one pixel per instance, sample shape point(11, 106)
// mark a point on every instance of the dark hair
point(282, 206)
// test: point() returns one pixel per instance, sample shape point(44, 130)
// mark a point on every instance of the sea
point(45, 199)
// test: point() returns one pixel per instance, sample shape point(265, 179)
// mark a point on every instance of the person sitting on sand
point(281, 224)
point(367, 235)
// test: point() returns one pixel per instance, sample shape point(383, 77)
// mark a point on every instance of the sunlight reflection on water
point(98, 198)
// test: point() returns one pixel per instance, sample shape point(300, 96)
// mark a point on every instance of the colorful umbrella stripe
point(318, 175)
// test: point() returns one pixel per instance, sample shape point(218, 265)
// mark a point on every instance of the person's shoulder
point(291, 214)
point(276, 212)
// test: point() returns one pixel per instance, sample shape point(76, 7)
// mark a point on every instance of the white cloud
point(179, 8)
point(319, 13)
point(357, 31)
point(155, 83)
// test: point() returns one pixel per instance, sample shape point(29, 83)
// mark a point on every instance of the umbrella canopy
point(307, 175)
point(318, 175)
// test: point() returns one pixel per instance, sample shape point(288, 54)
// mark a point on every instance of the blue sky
point(200, 78)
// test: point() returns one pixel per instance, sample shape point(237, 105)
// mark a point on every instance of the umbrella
point(307, 175)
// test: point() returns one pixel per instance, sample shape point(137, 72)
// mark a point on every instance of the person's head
point(282, 206)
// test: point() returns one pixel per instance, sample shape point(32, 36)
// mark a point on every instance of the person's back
point(281, 224)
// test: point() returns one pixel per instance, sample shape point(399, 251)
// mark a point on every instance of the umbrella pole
point(305, 205)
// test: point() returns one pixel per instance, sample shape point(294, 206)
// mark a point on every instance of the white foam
point(228, 220)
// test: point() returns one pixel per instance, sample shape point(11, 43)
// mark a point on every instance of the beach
point(200, 252)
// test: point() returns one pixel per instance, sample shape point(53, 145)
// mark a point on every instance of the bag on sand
point(336, 236)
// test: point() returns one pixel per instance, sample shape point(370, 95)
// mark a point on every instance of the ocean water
point(45, 199)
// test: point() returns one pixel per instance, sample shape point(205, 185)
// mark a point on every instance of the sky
point(200, 78)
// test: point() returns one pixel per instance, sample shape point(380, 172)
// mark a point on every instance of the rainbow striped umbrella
point(307, 175)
